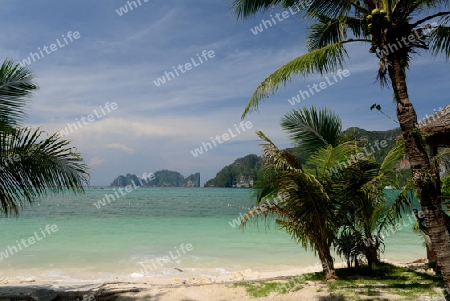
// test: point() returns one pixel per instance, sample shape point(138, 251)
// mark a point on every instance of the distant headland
point(161, 178)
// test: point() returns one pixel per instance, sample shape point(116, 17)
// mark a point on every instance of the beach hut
point(437, 128)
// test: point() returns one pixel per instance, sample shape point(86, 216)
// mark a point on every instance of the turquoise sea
point(147, 228)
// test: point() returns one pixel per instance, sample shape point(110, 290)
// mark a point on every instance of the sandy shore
point(127, 291)
point(183, 287)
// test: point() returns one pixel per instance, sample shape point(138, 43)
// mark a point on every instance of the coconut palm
point(307, 209)
point(393, 31)
point(319, 208)
point(366, 213)
point(32, 164)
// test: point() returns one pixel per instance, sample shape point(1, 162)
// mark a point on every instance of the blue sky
point(117, 58)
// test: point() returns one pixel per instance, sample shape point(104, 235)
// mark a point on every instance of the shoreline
point(186, 286)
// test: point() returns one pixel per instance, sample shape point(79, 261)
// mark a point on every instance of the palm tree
point(33, 164)
point(366, 213)
point(393, 32)
point(307, 210)
point(318, 205)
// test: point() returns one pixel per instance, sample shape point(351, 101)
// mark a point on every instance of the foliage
point(367, 138)
point(445, 186)
point(336, 23)
point(128, 179)
point(16, 87)
point(382, 24)
point(167, 178)
point(231, 174)
point(324, 128)
point(349, 244)
point(161, 178)
point(384, 282)
point(346, 209)
point(244, 170)
point(259, 289)
point(33, 163)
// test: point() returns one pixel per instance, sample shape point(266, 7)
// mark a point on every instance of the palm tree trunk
point(371, 254)
point(425, 177)
point(432, 259)
point(327, 264)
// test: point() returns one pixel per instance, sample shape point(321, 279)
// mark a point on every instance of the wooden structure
point(437, 126)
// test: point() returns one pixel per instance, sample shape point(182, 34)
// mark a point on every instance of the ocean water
point(152, 231)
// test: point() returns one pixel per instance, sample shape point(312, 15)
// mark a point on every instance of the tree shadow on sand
point(34, 293)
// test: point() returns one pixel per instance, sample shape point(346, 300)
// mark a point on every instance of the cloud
point(121, 147)
point(117, 59)
point(96, 161)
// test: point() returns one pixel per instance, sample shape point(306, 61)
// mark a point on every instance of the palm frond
point(333, 30)
point(405, 8)
point(246, 8)
point(312, 128)
point(329, 161)
point(310, 206)
point(332, 8)
point(279, 159)
point(323, 60)
point(439, 39)
point(355, 181)
point(16, 85)
point(264, 210)
point(305, 210)
point(265, 187)
point(390, 162)
point(401, 204)
point(37, 166)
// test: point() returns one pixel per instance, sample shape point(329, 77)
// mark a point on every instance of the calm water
point(149, 226)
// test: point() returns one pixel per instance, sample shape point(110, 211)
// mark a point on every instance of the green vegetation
point(241, 173)
point(167, 178)
point(385, 282)
point(32, 163)
point(335, 24)
point(161, 178)
point(445, 186)
point(368, 138)
point(122, 181)
point(259, 289)
point(325, 206)
point(248, 168)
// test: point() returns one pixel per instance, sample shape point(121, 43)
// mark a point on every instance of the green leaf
point(312, 128)
point(330, 31)
point(440, 41)
point(16, 85)
point(36, 166)
point(323, 60)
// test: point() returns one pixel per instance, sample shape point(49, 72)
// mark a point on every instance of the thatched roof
point(438, 123)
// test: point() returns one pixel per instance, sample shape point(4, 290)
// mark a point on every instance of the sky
point(101, 64)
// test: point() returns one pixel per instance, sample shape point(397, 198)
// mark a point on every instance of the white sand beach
point(184, 287)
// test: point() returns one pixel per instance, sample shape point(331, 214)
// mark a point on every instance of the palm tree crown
point(395, 30)
point(33, 164)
